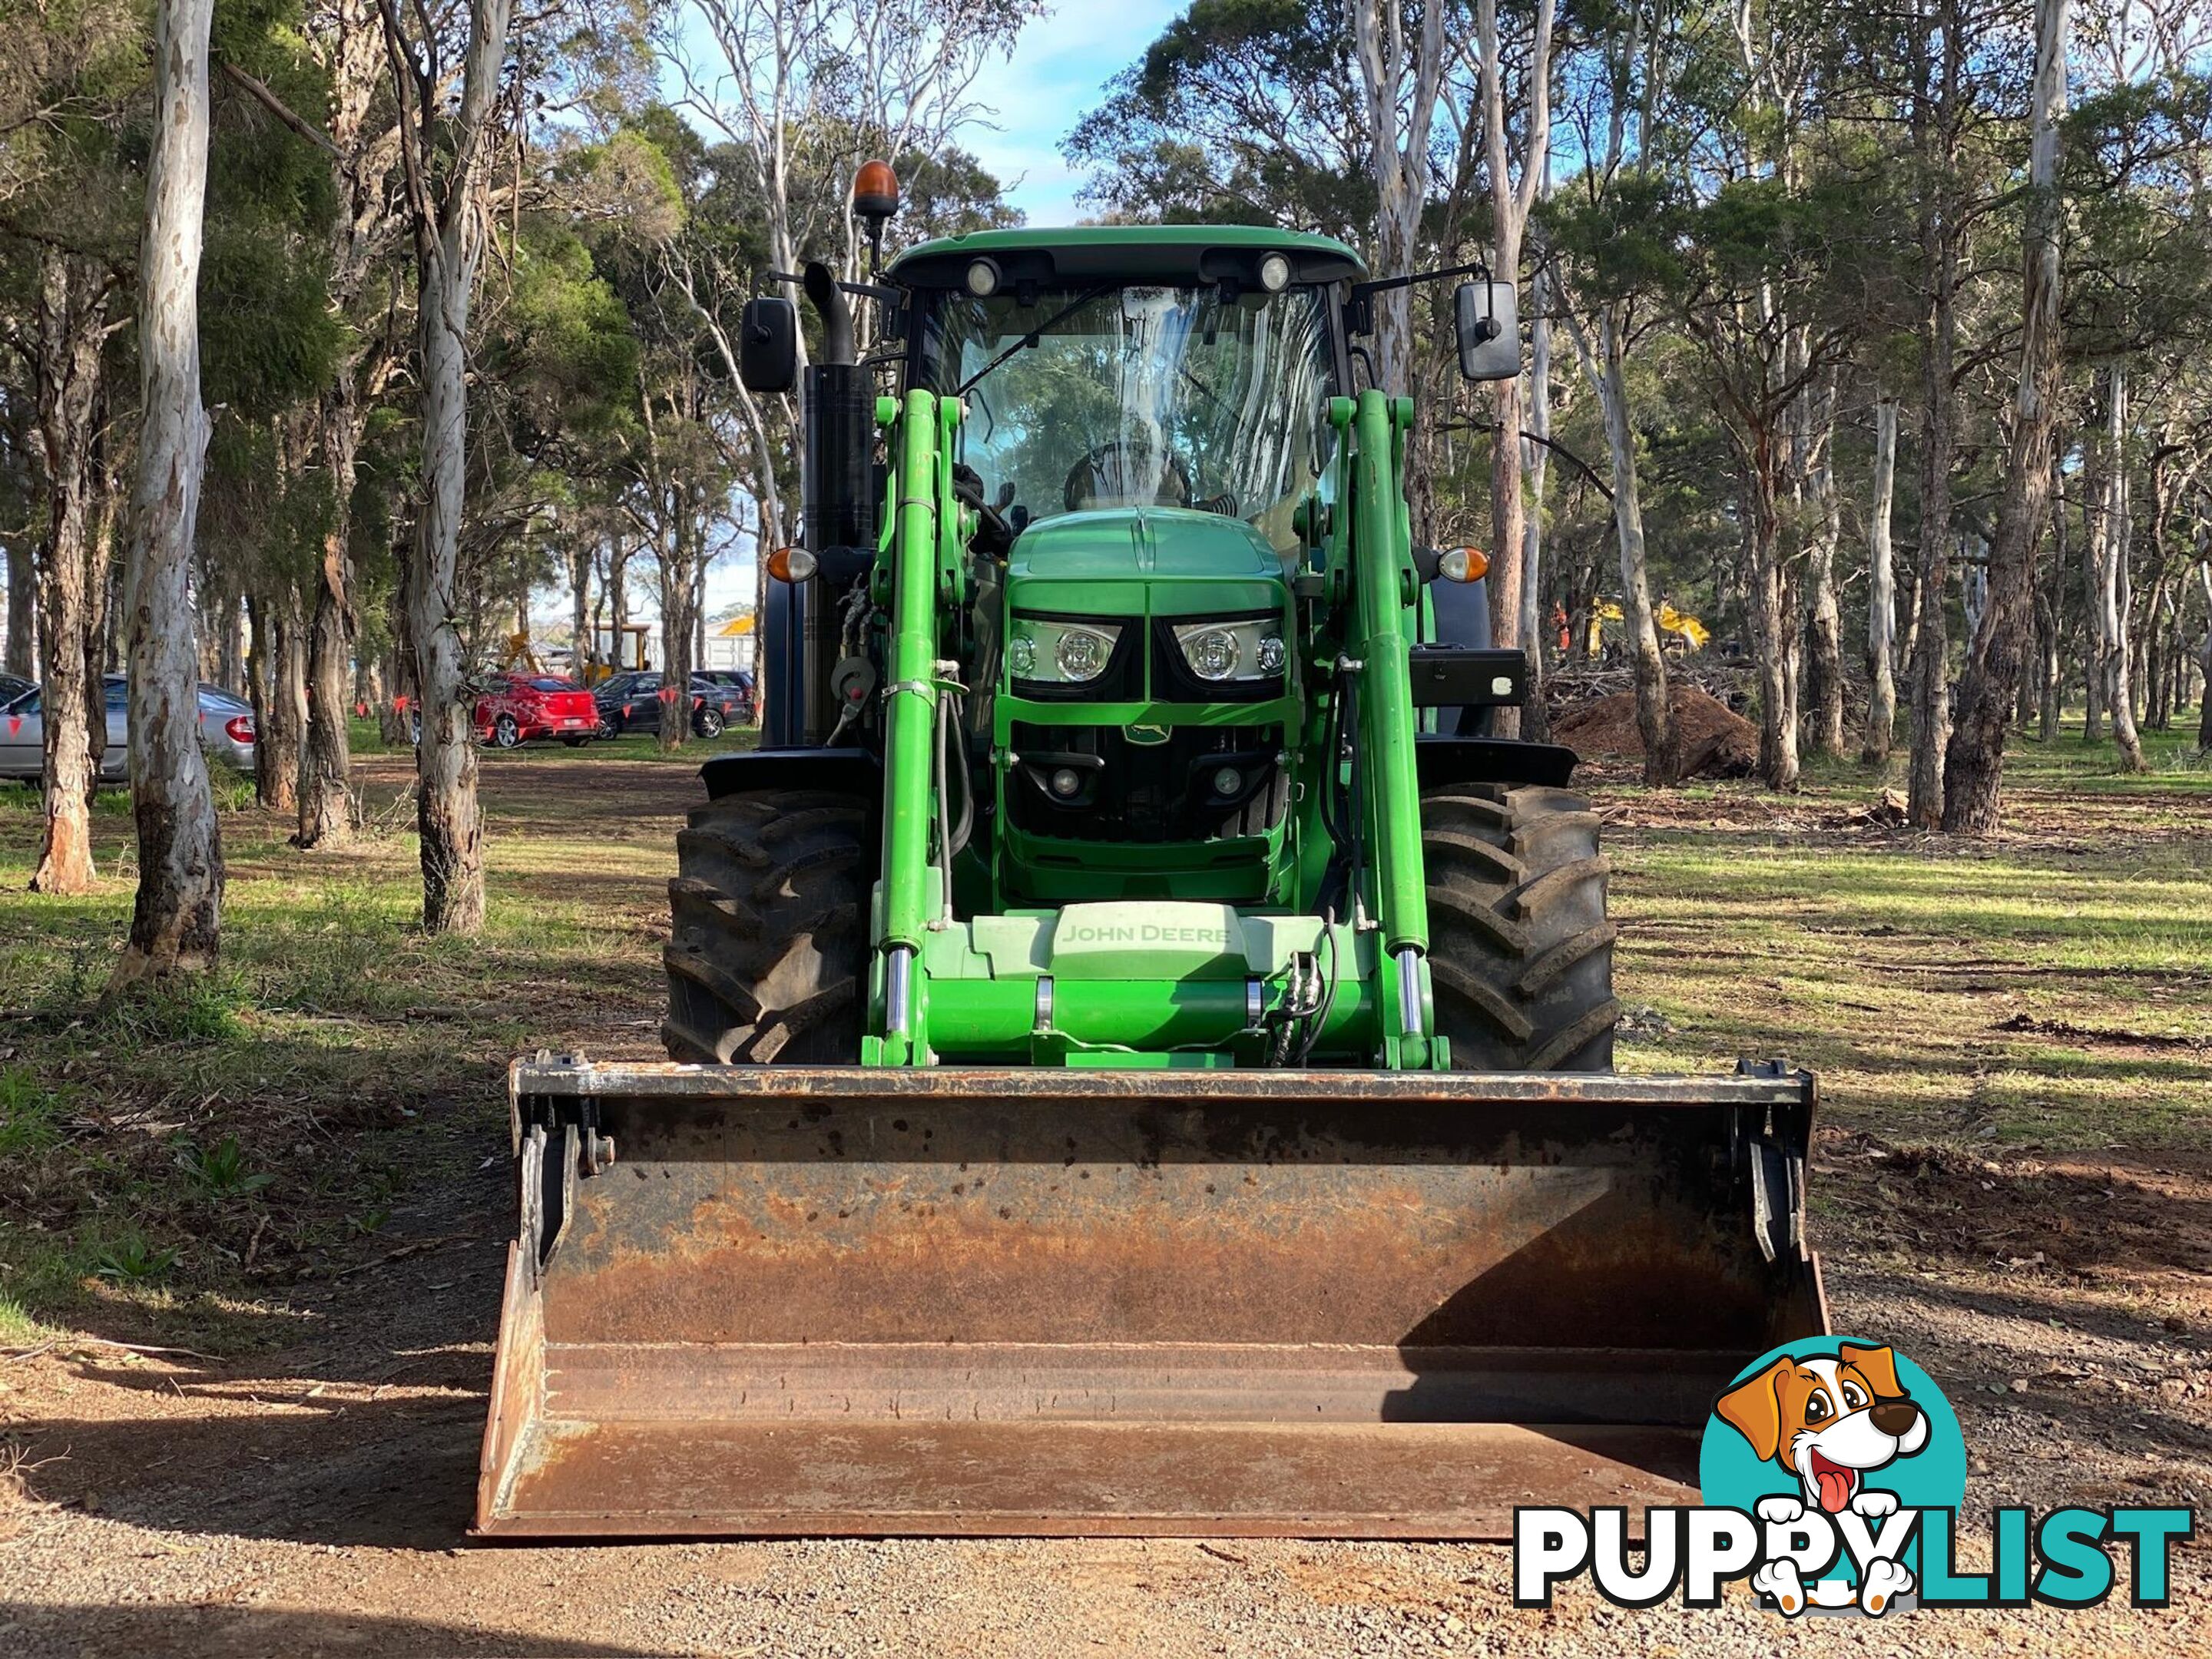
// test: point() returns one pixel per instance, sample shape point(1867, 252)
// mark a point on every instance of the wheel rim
point(504, 732)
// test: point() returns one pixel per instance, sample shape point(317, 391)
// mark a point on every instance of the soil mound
point(1717, 742)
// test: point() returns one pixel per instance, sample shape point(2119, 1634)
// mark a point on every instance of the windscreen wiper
point(1031, 338)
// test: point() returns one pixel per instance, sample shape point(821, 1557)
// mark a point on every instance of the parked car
point(513, 708)
point(736, 680)
point(633, 703)
point(226, 731)
point(13, 686)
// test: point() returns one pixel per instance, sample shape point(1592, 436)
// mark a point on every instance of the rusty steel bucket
point(785, 1300)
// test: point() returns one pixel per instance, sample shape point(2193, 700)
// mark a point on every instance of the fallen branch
point(405, 1250)
point(13, 1354)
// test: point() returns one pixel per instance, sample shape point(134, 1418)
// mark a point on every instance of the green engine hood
point(1126, 562)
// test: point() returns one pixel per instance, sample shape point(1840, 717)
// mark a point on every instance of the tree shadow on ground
point(28, 1631)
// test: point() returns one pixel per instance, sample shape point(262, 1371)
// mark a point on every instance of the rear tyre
point(506, 733)
point(707, 722)
point(1519, 951)
point(767, 954)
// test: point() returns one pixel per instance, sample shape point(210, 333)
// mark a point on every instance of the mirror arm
point(883, 291)
point(1360, 307)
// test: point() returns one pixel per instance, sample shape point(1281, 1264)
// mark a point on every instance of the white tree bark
point(1881, 590)
point(1402, 82)
point(446, 156)
point(1511, 199)
point(2115, 598)
point(176, 924)
point(1605, 366)
point(1536, 460)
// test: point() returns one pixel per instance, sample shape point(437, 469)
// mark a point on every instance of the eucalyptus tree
point(176, 923)
point(68, 225)
point(453, 103)
point(1515, 182)
point(346, 38)
point(1988, 690)
point(1611, 258)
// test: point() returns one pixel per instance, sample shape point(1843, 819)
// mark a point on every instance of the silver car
point(226, 731)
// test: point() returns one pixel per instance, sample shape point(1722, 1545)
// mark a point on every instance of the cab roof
point(1202, 254)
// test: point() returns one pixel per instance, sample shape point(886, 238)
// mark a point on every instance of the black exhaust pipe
point(838, 490)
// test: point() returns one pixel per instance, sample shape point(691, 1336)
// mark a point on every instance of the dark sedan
point(635, 702)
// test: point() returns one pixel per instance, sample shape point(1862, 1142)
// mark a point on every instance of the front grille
point(1146, 793)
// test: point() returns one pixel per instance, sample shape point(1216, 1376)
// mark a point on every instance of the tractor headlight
point(1249, 648)
point(1052, 652)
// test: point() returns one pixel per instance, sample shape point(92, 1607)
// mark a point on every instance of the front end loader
point(1142, 1047)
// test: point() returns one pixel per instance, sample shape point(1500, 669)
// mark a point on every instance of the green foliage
point(129, 1258)
point(565, 351)
point(30, 1113)
point(205, 1010)
point(1242, 112)
point(220, 1172)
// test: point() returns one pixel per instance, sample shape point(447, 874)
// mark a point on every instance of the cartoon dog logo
point(1830, 1421)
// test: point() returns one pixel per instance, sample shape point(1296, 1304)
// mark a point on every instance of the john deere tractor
point(1142, 1046)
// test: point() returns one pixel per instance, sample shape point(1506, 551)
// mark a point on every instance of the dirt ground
point(313, 1499)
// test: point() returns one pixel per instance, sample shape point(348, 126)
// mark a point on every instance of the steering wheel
point(1110, 469)
point(994, 535)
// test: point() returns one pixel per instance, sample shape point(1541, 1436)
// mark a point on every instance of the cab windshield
point(1140, 396)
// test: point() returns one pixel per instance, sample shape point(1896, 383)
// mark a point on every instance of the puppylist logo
point(1833, 1472)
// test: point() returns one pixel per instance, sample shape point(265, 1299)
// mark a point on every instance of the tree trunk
point(1939, 73)
point(1401, 80)
point(20, 656)
point(1824, 622)
point(1770, 628)
point(679, 622)
point(2114, 599)
point(448, 251)
point(326, 801)
point(446, 813)
point(1931, 707)
point(1881, 593)
point(176, 923)
point(579, 631)
point(1536, 722)
point(276, 673)
point(1655, 720)
point(71, 318)
point(2204, 652)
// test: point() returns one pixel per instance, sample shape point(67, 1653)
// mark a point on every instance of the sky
point(1061, 66)
point(1058, 71)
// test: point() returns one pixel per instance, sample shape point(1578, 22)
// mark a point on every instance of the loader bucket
point(758, 1300)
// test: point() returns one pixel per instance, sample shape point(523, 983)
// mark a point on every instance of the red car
point(513, 708)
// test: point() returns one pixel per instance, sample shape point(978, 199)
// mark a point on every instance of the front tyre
point(1520, 950)
point(506, 733)
point(767, 955)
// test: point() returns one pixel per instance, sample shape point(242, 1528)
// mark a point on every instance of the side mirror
point(1488, 316)
point(767, 345)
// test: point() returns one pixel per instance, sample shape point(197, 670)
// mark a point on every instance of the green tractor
point(1142, 1046)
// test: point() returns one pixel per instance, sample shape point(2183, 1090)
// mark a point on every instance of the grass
point(169, 1154)
point(1921, 977)
point(172, 1164)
